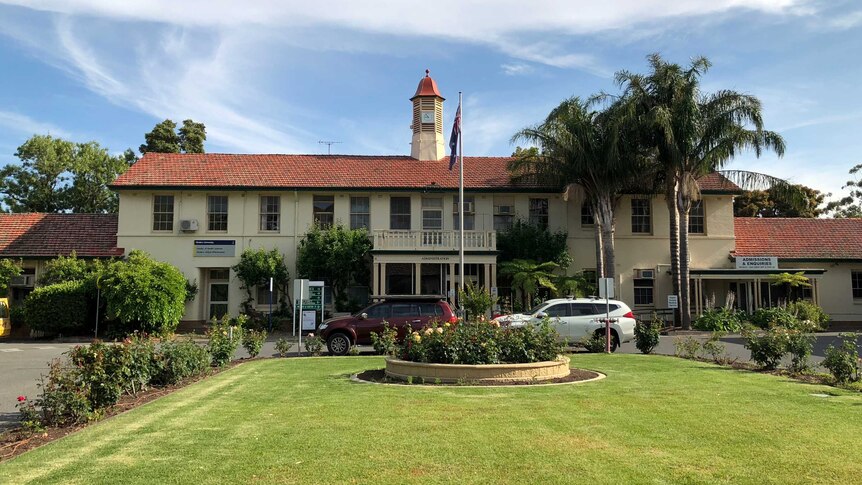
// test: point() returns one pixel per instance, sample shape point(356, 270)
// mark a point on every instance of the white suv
point(576, 318)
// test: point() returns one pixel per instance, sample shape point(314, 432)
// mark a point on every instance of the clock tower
point(427, 121)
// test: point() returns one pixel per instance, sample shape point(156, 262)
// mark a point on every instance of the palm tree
point(528, 276)
point(583, 150)
point(694, 134)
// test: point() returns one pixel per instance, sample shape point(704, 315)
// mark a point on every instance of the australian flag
point(453, 138)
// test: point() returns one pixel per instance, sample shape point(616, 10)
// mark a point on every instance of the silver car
point(576, 318)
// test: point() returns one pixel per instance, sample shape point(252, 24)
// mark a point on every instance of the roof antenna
point(328, 145)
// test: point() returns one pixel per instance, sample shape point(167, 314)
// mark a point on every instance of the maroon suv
point(412, 312)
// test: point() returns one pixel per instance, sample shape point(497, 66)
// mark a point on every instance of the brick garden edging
point(487, 373)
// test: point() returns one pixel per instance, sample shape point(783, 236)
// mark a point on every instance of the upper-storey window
point(697, 218)
point(360, 213)
point(217, 213)
point(163, 213)
point(469, 214)
point(504, 213)
point(587, 218)
point(270, 212)
point(539, 212)
point(324, 210)
point(432, 213)
point(399, 213)
point(641, 216)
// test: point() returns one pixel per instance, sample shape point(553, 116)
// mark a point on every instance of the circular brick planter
point(487, 373)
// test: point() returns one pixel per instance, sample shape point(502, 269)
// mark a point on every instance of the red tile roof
point(716, 182)
point(197, 170)
point(427, 87)
point(37, 235)
point(798, 238)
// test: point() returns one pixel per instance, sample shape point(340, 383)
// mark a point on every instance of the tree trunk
point(605, 217)
point(684, 275)
point(673, 215)
point(600, 260)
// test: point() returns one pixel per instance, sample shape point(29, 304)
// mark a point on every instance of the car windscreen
point(536, 309)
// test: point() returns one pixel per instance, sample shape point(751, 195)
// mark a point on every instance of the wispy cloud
point(516, 69)
point(25, 125)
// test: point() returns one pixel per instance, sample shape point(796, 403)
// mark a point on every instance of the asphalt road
point(22, 363)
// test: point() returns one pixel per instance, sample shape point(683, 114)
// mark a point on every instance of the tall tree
point(769, 203)
point(851, 205)
point(93, 169)
point(164, 138)
point(38, 184)
point(694, 134)
point(583, 150)
point(337, 255)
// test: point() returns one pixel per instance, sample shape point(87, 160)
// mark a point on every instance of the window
point(432, 213)
point(404, 310)
point(558, 310)
point(324, 210)
point(641, 219)
point(856, 283)
point(399, 213)
point(587, 218)
point(430, 310)
point(380, 311)
point(504, 213)
point(163, 213)
point(270, 208)
point(263, 295)
point(581, 309)
point(539, 212)
point(469, 214)
point(643, 291)
point(360, 213)
point(599, 309)
point(217, 213)
point(696, 218)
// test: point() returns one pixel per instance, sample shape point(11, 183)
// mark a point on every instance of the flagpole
point(461, 196)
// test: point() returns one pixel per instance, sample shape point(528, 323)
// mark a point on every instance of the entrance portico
point(430, 273)
point(751, 288)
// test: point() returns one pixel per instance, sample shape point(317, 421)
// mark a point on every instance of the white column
point(417, 275)
point(382, 279)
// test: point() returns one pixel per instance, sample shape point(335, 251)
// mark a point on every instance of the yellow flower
point(439, 329)
point(447, 324)
point(428, 331)
point(416, 337)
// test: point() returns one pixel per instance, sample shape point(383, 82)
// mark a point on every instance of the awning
point(733, 273)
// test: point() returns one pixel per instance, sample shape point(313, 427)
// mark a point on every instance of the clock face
point(427, 117)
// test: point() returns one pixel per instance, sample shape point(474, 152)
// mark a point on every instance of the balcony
point(434, 240)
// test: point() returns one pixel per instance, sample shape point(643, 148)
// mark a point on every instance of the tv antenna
point(328, 145)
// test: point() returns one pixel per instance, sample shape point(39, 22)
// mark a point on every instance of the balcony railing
point(434, 240)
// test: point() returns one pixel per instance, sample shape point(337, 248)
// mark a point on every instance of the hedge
point(58, 308)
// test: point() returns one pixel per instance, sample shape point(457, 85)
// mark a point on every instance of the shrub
point(58, 308)
point(314, 344)
point(767, 349)
point(806, 311)
point(714, 349)
point(647, 335)
point(8, 269)
point(225, 336)
point(481, 343)
point(255, 268)
point(29, 417)
point(282, 346)
point(143, 294)
point(719, 320)
point(101, 367)
point(253, 341)
point(178, 360)
point(353, 350)
point(476, 301)
point(63, 396)
point(843, 361)
point(773, 317)
point(63, 269)
point(595, 343)
point(385, 342)
point(687, 348)
point(799, 345)
point(138, 363)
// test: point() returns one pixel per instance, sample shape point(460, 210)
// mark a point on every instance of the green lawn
point(654, 419)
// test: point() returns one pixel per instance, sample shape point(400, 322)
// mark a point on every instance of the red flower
point(22, 398)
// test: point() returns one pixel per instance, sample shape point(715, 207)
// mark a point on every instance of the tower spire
point(427, 121)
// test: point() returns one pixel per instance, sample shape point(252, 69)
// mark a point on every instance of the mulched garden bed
point(17, 441)
point(378, 376)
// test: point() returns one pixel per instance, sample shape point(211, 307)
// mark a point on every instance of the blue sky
point(278, 76)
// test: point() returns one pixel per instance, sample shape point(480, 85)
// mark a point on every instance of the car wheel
point(338, 344)
point(615, 340)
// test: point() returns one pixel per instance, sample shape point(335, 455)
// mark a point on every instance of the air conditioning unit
point(24, 280)
point(644, 274)
point(468, 207)
point(189, 225)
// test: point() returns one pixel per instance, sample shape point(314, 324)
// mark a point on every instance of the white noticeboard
point(606, 288)
point(309, 319)
point(756, 262)
point(672, 301)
